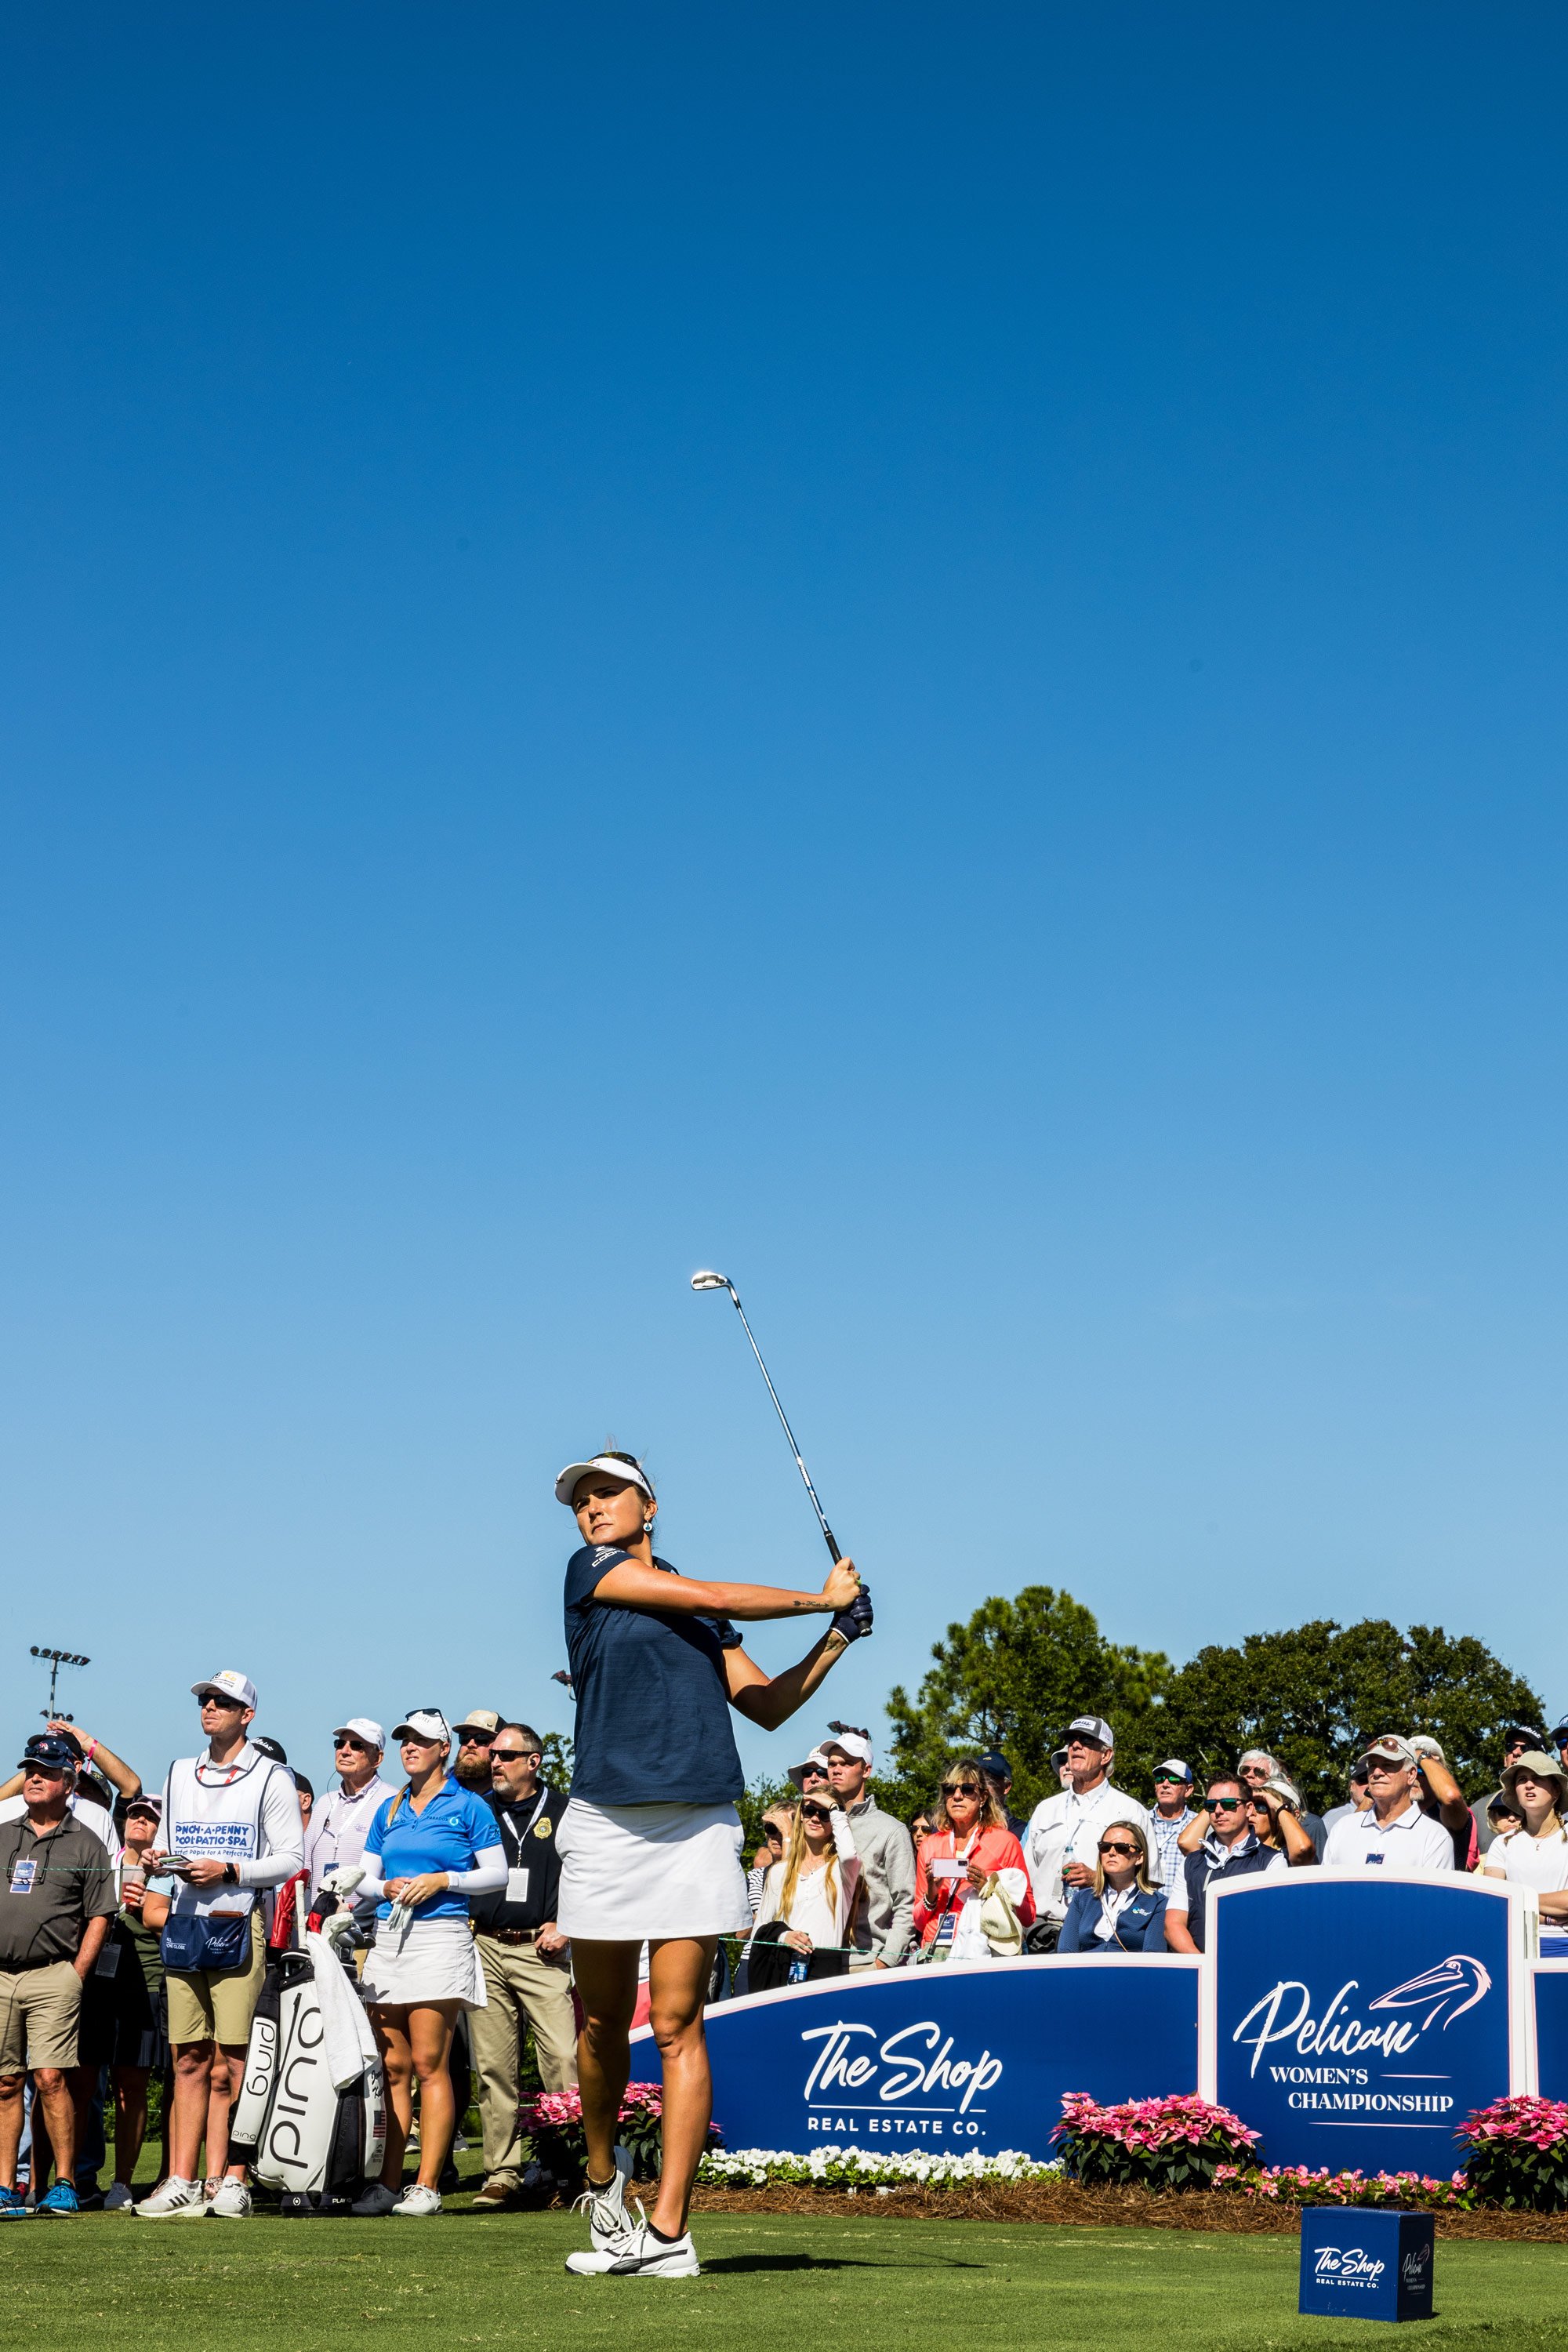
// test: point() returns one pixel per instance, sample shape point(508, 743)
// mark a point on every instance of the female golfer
point(429, 1848)
point(650, 1844)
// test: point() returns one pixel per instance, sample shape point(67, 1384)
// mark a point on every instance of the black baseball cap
point(995, 1766)
point(50, 1747)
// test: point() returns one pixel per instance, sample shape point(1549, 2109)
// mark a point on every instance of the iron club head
point(710, 1281)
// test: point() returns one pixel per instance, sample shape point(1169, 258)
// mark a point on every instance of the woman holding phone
point(811, 1890)
point(969, 1854)
point(650, 1844)
point(429, 1848)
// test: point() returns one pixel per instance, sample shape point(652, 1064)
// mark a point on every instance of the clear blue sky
point(915, 652)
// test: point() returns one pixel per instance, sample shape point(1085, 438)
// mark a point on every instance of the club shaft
point(783, 1420)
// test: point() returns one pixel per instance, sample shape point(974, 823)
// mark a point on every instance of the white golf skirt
point(431, 1959)
point(631, 1873)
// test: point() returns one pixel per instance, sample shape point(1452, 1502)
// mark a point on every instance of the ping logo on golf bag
point(315, 2141)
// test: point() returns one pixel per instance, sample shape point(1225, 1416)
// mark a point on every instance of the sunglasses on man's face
point(510, 1755)
point(474, 1739)
point(357, 1745)
point(959, 1789)
point(1169, 1780)
point(1119, 1848)
point(1228, 1804)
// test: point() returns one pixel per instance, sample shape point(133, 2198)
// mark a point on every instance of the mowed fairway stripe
point(784, 2283)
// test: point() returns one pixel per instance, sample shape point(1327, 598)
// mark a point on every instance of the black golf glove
point(857, 1620)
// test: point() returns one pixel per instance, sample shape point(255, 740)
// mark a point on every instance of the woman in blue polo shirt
point(429, 1848)
point(650, 1844)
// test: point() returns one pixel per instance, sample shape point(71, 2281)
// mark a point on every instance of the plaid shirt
point(1163, 1836)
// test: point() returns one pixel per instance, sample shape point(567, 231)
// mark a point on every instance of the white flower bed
point(863, 2167)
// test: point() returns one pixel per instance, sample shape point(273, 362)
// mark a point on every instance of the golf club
point(709, 1281)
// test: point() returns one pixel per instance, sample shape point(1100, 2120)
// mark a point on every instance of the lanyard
point(504, 1824)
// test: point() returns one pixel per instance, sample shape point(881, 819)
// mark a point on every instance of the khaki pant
point(219, 2007)
point(526, 1987)
point(38, 2014)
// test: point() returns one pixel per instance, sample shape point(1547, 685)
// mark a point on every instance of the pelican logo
point(1441, 1994)
point(1445, 1991)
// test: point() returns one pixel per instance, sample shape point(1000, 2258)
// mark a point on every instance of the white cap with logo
point(850, 1743)
point(363, 1727)
point(230, 1685)
point(424, 1723)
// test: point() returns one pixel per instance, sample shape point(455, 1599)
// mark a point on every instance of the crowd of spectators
point(137, 1926)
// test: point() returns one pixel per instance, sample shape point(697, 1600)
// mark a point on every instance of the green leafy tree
point(1315, 1695)
point(1013, 1677)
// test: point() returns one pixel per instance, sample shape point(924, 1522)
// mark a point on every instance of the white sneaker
point(417, 2202)
point(642, 2255)
point(608, 2221)
point(377, 2200)
point(231, 2202)
point(174, 2200)
point(120, 2199)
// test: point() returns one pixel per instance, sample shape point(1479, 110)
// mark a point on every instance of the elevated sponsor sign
point(1551, 1989)
point(1356, 2021)
point(950, 2058)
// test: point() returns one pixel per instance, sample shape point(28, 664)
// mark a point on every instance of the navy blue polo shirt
point(653, 1708)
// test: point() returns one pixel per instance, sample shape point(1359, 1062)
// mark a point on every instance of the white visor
point(626, 1472)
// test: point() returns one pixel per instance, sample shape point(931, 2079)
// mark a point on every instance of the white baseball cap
point(851, 1743)
point(424, 1723)
point(231, 1684)
point(362, 1728)
point(1174, 1764)
point(611, 1465)
point(1095, 1727)
point(815, 1762)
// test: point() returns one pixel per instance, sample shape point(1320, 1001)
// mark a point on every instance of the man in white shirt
point(341, 1823)
point(1062, 1842)
point(231, 1823)
point(1393, 1834)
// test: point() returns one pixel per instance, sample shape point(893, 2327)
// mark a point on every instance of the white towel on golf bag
point(350, 2044)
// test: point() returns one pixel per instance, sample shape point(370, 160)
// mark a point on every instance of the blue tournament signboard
point(1356, 2020)
point(950, 2058)
point(1551, 2027)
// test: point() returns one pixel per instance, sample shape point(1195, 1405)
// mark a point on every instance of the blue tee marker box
point(1359, 2264)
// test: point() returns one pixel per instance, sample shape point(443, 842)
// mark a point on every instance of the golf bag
point(311, 2118)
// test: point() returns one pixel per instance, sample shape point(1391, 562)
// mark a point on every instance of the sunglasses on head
point(960, 1788)
point(1119, 1847)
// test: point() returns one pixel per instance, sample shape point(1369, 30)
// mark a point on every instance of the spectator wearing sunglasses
point(1231, 1849)
point(812, 1892)
point(341, 1823)
point(1173, 1813)
point(1064, 1830)
point(1124, 1910)
point(970, 1854)
point(471, 1768)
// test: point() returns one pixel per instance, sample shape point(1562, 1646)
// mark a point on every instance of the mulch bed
point(1065, 2202)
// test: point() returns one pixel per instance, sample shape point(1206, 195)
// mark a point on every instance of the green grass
point(773, 2284)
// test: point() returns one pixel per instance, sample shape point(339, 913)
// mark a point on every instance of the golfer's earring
point(648, 1527)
